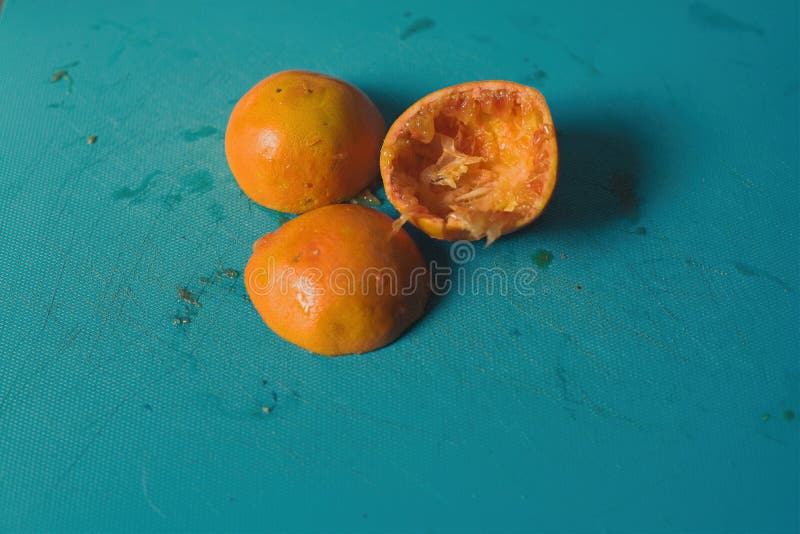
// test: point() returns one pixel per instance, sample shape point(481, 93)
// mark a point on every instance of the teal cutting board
point(647, 380)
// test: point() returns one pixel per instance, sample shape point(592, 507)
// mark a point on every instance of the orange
point(299, 140)
point(338, 280)
point(473, 160)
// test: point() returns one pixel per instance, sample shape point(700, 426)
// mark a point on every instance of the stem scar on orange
point(338, 280)
point(300, 140)
point(474, 160)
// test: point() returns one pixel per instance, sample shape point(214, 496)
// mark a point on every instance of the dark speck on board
point(187, 296)
point(539, 75)
point(417, 26)
point(789, 415)
point(197, 182)
point(216, 211)
point(366, 198)
point(229, 273)
point(171, 200)
point(710, 17)
point(542, 258)
point(62, 74)
point(624, 187)
point(744, 269)
point(514, 332)
point(641, 230)
point(147, 407)
point(480, 38)
point(137, 194)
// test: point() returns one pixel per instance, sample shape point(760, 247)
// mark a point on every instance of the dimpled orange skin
point(292, 280)
point(300, 140)
point(538, 150)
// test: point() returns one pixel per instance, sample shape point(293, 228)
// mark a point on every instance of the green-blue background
point(657, 397)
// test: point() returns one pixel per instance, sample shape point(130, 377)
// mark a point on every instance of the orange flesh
point(480, 158)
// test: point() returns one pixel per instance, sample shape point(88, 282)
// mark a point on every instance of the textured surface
point(650, 383)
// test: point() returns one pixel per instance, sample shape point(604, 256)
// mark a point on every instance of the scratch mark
point(772, 438)
point(363, 476)
point(85, 449)
point(103, 426)
point(361, 415)
point(546, 320)
point(668, 89)
point(704, 268)
point(747, 270)
point(59, 280)
point(147, 498)
point(580, 60)
point(117, 53)
point(190, 136)
point(76, 332)
point(525, 22)
point(187, 356)
point(418, 26)
point(563, 385)
point(123, 294)
point(480, 38)
point(55, 291)
point(73, 335)
point(710, 17)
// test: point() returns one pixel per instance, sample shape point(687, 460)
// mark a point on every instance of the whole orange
point(338, 280)
point(475, 160)
point(299, 140)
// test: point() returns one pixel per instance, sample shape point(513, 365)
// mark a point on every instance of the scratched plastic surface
point(649, 383)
